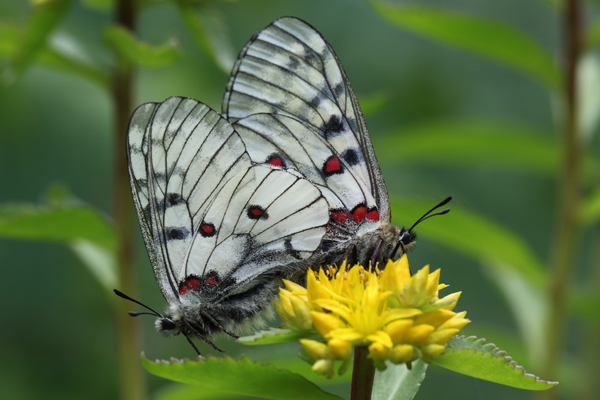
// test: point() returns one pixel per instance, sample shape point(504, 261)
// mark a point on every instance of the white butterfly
point(285, 180)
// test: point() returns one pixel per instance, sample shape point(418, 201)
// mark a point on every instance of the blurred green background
point(58, 335)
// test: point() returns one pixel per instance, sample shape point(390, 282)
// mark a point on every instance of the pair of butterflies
point(284, 180)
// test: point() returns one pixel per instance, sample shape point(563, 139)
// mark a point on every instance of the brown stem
point(131, 377)
point(567, 225)
point(362, 375)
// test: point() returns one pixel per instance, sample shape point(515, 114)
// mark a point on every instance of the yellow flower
point(398, 316)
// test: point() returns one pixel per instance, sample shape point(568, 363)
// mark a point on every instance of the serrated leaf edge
point(496, 352)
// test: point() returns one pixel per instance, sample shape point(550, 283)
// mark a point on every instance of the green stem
point(567, 227)
point(362, 375)
point(132, 382)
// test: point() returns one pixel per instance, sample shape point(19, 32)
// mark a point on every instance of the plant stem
point(132, 383)
point(362, 375)
point(567, 225)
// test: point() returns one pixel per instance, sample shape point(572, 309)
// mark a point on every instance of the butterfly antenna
point(429, 214)
point(133, 313)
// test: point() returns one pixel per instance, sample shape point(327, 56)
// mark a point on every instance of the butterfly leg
point(351, 256)
point(376, 253)
point(214, 321)
point(214, 346)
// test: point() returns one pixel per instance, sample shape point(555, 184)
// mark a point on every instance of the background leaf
point(398, 382)
point(210, 32)
point(476, 237)
point(40, 24)
point(140, 53)
point(472, 142)
point(51, 58)
point(271, 336)
point(492, 39)
point(530, 308)
point(82, 228)
point(238, 377)
point(61, 223)
point(473, 357)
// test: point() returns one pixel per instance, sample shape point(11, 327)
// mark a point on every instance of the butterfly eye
point(167, 325)
point(406, 238)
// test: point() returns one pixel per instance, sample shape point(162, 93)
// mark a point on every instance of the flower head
point(398, 317)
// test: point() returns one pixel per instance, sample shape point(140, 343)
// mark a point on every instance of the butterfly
point(283, 180)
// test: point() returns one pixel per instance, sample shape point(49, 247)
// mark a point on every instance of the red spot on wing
point(257, 212)
point(183, 290)
point(373, 215)
point(332, 166)
point(207, 229)
point(275, 161)
point(211, 281)
point(193, 284)
point(359, 213)
point(340, 217)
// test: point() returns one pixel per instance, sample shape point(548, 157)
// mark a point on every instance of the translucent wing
point(293, 106)
point(263, 221)
point(180, 155)
point(210, 219)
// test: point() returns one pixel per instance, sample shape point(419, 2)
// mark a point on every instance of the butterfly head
point(170, 323)
point(407, 240)
point(408, 237)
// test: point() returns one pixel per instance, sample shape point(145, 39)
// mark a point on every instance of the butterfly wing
point(180, 154)
point(213, 223)
point(290, 100)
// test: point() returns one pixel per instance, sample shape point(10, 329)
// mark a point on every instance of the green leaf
point(467, 143)
point(588, 101)
point(186, 392)
point(100, 5)
point(492, 39)
point(101, 262)
point(52, 58)
point(82, 228)
point(590, 211)
point(477, 237)
point(592, 38)
point(272, 336)
point(473, 357)
point(532, 320)
point(209, 30)
point(220, 376)
point(59, 223)
point(398, 382)
point(122, 42)
point(40, 24)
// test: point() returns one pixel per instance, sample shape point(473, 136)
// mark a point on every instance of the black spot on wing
point(207, 229)
point(176, 233)
point(174, 199)
point(352, 156)
point(160, 177)
point(333, 127)
point(316, 101)
point(290, 249)
point(256, 212)
point(293, 64)
point(339, 89)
